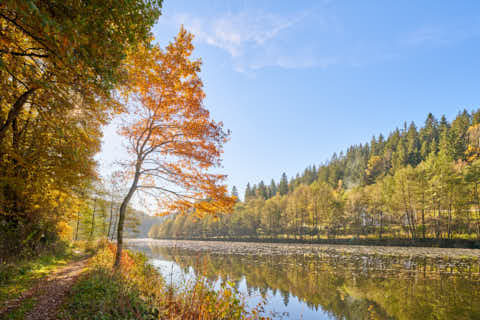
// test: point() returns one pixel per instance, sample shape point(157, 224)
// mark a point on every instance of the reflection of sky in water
point(305, 286)
point(173, 274)
point(277, 305)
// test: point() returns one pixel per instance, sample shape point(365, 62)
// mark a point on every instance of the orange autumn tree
point(172, 141)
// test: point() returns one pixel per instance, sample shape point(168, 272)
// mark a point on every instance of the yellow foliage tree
point(172, 140)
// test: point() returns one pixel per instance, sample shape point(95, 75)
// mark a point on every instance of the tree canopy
point(59, 64)
point(173, 142)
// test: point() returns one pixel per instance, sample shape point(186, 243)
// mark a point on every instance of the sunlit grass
point(19, 313)
point(17, 277)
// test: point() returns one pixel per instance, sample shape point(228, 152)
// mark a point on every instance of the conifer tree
point(459, 135)
point(373, 146)
point(413, 145)
point(248, 192)
point(283, 185)
point(235, 192)
point(253, 194)
point(272, 189)
point(262, 190)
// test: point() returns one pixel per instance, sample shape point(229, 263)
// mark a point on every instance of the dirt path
point(48, 294)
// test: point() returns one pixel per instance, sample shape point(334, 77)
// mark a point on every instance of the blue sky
point(296, 81)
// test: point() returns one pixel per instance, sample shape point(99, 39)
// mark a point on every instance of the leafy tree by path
point(59, 62)
point(172, 140)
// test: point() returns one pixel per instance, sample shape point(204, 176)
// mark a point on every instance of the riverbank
point(263, 248)
point(77, 283)
point(137, 291)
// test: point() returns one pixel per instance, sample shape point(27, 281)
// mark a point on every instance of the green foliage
point(105, 295)
point(18, 275)
point(20, 312)
point(60, 61)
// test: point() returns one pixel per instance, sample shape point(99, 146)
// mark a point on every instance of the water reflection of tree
point(349, 287)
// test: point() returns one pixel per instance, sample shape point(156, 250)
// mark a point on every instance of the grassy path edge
point(43, 299)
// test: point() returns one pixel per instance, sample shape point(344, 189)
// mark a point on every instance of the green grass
point(19, 313)
point(19, 276)
point(102, 294)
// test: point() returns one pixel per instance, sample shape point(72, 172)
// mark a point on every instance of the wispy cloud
point(253, 40)
point(313, 38)
point(440, 35)
point(424, 35)
point(235, 33)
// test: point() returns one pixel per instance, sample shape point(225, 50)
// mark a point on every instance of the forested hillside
point(418, 182)
point(141, 224)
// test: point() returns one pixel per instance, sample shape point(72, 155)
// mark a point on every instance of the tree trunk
point(449, 222)
point(78, 223)
point(111, 217)
point(302, 229)
point(381, 223)
point(477, 213)
point(114, 225)
point(423, 223)
point(15, 111)
point(440, 221)
point(121, 217)
point(316, 219)
point(93, 218)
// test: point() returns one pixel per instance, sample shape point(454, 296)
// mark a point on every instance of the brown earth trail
point(48, 294)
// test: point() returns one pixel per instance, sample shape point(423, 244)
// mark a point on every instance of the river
point(301, 281)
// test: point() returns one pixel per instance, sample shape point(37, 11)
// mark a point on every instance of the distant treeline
point(416, 184)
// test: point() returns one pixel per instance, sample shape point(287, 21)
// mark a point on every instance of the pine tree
point(283, 185)
point(413, 145)
point(459, 135)
point(373, 147)
point(235, 192)
point(380, 144)
point(248, 192)
point(272, 190)
point(254, 191)
point(400, 156)
point(323, 173)
point(475, 117)
point(262, 190)
point(445, 144)
point(292, 184)
point(429, 137)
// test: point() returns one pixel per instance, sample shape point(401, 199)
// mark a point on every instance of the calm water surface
point(328, 284)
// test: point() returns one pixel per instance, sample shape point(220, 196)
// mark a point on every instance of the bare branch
point(24, 54)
